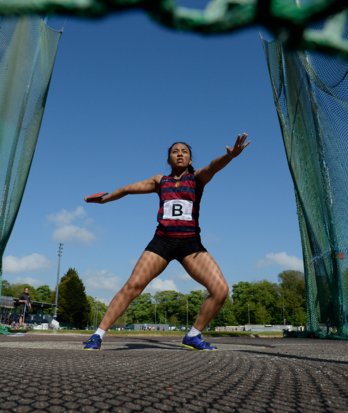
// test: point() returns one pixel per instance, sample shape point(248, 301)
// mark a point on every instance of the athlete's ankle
point(193, 332)
point(100, 332)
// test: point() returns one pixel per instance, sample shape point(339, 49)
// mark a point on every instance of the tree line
point(261, 302)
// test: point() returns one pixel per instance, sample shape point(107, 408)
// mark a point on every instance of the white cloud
point(283, 260)
point(65, 217)
point(161, 285)
point(73, 233)
point(184, 277)
point(31, 262)
point(28, 280)
point(103, 300)
point(67, 230)
point(102, 280)
point(176, 272)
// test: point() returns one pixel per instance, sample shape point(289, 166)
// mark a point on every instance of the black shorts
point(23, 309)
point(175, 248)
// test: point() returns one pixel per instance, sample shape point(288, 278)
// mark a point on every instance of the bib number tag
point(178, 209)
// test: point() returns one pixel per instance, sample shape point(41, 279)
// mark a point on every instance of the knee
point(132, 289)
point(224, 291)
point(221, 292)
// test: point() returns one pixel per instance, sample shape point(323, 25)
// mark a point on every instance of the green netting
point(27, 52)
point(288, 20)
point(311, 97)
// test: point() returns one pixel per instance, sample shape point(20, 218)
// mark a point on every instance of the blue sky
point(123, 90)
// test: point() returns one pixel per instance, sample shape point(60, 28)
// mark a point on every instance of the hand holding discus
point(96, 198)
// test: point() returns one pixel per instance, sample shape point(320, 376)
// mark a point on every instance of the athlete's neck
point(178, 174)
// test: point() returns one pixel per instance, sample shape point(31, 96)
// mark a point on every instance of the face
point(180, 156)
point(26, 290)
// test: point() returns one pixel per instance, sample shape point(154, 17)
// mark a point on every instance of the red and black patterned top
point(179, 206)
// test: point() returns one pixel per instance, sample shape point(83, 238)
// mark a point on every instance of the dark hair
point(190, 168)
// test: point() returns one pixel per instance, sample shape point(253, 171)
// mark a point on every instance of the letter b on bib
point(178, 209)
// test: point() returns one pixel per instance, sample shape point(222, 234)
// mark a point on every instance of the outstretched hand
point(239, 146)
point(96, 198)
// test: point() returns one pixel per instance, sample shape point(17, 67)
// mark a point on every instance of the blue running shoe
point(196, 343)
point(94, 343)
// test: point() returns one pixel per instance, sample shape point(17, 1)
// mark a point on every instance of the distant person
point(177, 237)
point(25, 305)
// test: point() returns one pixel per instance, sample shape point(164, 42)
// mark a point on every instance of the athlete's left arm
point(205, 174)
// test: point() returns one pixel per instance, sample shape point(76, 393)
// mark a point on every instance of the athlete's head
point(180, 153)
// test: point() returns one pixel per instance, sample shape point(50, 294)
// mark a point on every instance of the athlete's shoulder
point(165, 178)
point(157, 181)
point(157, 178)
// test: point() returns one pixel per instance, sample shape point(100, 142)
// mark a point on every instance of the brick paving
point(51, 373)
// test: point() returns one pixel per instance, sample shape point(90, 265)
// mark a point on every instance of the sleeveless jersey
point(179, 206)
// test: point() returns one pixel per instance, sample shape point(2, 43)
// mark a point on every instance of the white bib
point(178, 209)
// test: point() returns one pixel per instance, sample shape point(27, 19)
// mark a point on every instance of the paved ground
point(51, 373)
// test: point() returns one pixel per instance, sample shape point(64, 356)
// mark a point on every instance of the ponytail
point(191, 169)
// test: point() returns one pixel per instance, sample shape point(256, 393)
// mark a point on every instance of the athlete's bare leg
point(148, 267)
point(203, 268)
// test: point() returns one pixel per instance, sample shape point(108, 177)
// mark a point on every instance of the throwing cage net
point(287, 20)
point(27, 53)
point(310, 92)
point(311, 97)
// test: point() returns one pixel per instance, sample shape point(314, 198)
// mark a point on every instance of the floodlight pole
point(60, 253)
point(187, 313)
point(95, 321)
point(248, 314)
point(153, 301)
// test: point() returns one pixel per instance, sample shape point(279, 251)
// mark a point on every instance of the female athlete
point(177, 237)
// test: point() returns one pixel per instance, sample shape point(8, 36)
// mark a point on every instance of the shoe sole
point(197, 349)
point(93, 349)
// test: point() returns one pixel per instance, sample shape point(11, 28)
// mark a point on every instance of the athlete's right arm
point(146, 186)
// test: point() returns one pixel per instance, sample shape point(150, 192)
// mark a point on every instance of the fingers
point(241, 138)
point(240, 141)
point(239, 145)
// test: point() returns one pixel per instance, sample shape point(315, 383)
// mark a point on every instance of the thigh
point(203, 268)
point(148, 267)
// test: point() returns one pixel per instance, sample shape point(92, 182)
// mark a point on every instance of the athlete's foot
point(196, 343)
point(93, 343)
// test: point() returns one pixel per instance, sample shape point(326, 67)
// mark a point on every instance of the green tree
point(44, 294)
point(262, 314)
point(299, 317)
point(73, 306)
point(140, 310)
point(267, 308)
point(195, 300)
point(243, 302)
point(7, 289)
point(293, 297)
point(98, 309)
point(226, 316)
point(256, 302)
point(170, 306)
point(15, 290)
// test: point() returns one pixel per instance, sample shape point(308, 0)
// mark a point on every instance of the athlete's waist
point(173, 232)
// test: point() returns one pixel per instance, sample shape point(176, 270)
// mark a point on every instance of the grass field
point(271, 334)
